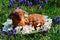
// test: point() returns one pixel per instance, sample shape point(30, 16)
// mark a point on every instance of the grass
point(50, 10)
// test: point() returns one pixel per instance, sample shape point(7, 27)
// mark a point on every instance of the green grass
point(51, 11)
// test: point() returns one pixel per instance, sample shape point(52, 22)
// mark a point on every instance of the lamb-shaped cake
point(18, 19)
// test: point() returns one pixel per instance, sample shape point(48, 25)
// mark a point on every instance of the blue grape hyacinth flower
point(24, 1)
point(9, 34)
point(29, 3)
point(43, 31)
point(13, 31)
point(43, 4)
point(10, 5)
point(11, 1)
point(56, 19)
point(38, 6)
point(36, 1)
point(45, 1)
point(21, 2)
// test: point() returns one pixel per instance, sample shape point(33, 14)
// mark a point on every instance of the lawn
point(50, 10)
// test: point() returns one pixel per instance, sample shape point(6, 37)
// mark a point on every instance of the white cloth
point(27, 28)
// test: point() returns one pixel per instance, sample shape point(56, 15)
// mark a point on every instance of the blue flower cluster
point(27, 2)
point(10, 3)
point(12, 32)
point(9, 33)
point(1, 33)
point(56, 19)
point(43, 31)
point(36, 1)
point(38, 6)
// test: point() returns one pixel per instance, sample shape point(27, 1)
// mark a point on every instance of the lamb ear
point(17, 8)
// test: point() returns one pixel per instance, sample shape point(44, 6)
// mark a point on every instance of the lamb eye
point(15, 12)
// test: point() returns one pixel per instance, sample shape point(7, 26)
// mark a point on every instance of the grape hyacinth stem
point(43, 5)
point(3, 4)
point(21, 35)
point(0, 31)
point(58, 29)
point(2, 35)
